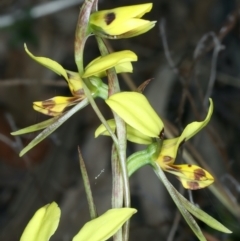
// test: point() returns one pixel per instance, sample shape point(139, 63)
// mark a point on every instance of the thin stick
point(217, 48)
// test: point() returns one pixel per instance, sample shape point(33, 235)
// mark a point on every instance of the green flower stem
point(117, 187)
point(91, 204)
point(103, 91)
point(117, 182)
point(113, 86)
point(82, 33)
point(157, 144)
point(96, 86)
point(122, 140)
point(141, 158)
point(91, 100)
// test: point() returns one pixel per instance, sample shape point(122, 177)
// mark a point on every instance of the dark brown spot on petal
point(193, 185)
point(176, 167)
point(189, 165)
point(52, 113)
point(168, 168)
point(161, 135)
point(109, 17)
point(167, 158)
point(79, 92)
point(182, 142)
point(199, 173)
point(48, 104)
point(173, 168)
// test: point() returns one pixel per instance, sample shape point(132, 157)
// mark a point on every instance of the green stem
point(98, 113)
point(117, 187)
point(113, 86)
point(82, 33)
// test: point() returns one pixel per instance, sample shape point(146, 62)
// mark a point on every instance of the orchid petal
point(75, 83)
point(103, 63)
point(55, 106)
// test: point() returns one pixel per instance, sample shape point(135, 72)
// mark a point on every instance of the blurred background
point(192, 54)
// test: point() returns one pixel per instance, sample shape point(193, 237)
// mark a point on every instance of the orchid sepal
point(136, 111)
point(122, 22)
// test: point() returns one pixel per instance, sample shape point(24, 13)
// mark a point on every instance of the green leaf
point(36, 127)
point(87, 186)
point(201, 215)
point(105, 226)
point(43, 224)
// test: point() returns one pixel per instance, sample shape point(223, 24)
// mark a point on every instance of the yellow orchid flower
point(97, 68)
point(55, 106)
point(145, 127)
point(45, 222)
point(122, 22)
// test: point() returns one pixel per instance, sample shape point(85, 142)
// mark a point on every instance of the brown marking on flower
point(176, 167)
point(173, 168)
point(48, 104)
point(109, 17)
point(193, 185)
point(189, 165)
point(182, 142)
point(168, 168)
point(79, 92)
point(199, 174)
point(53, 113)
point(167, 159)
point(161, 135)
